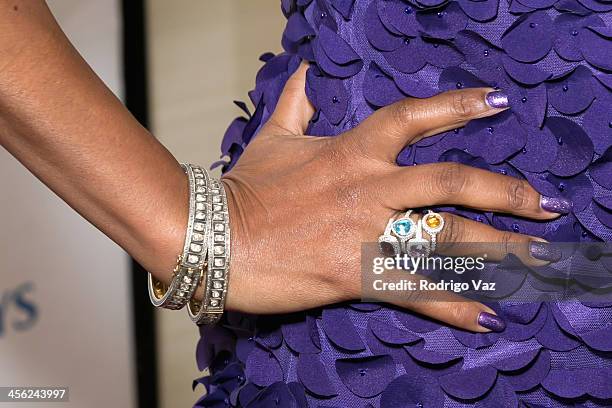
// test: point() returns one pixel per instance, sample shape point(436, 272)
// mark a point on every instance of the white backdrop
point(65, 310)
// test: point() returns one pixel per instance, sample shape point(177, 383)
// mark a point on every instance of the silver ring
point(387, 240)
point(417, 246)
point(404, 228)
point(433, 224)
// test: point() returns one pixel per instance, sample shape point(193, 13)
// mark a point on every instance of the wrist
point(237, 296)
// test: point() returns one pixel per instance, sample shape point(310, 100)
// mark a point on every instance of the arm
point(299, 206)
point(61, 122)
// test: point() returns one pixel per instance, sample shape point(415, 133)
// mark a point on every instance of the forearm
point(66, 127)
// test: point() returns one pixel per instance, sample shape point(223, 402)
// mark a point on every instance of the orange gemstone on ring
point(432, 221)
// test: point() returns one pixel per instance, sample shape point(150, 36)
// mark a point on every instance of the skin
point(300, 206)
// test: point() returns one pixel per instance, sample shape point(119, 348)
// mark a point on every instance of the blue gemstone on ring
point(403, 227)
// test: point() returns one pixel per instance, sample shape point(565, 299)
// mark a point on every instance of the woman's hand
point(301, 206)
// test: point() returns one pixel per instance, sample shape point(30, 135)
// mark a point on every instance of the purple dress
point(554, 59)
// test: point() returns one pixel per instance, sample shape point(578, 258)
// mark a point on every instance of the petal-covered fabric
point(412, 87)
point(297, 28)
point(398, 17)
point(443, 24)
point(412, 390)
point(378, 347)
point(597, 124)
point(276, 394)
point(416, 323)
point(572, 6)
point(568, 28)
point(579, 382)
point(334, 55)
point(475, 340)
point(518, 361)
point(529, 104)
point(596, 47)
point(527, 74)
point(330, 96)
point(457, 78)
point(604, 201)
point(578, 189)
point(379, 89)
point(377, 33)
point(336, 48)
point(601, 170)
point(604, 216)
point(478, 52)
point(340, 330)
point(313, 375)
point(599, 339)
point(366, 376)
point(388, 333)
point(532, 375)
point(539, 152)
point(553, 338)
point(430, 356)
point(263, 368)
point(596, 5)
point(409, 57)
point(523, 313)
point(575, 147)
point(430, 3)
point(469, 384)
point(442, 54)
point(344, 7)
point(572, 94)
point(537, 4)
point(480, 10)
point(529, 38)
point(495, 138)
point(298, 336)
point(520, 332)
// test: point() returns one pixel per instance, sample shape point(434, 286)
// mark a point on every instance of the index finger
point(391, 128)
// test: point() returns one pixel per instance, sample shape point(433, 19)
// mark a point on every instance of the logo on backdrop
point(18, 313)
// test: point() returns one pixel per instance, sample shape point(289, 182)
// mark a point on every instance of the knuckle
point(345, 145)
point(458, 313)
point(516, 192)
point(505, 242)
point(403, 112)
point(415, 298)
point(464, 105)
point(453, 231)
point(450, 179)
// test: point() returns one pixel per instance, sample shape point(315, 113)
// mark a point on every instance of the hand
point(301, 206)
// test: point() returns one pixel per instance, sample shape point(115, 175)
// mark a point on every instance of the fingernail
point(497, 99)
point(557, 205)
point(544, 251)
point(491, 322)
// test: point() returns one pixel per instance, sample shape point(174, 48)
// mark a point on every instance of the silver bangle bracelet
point(209, 310)
point(189, 268)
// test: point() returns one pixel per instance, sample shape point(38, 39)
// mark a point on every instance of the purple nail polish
point(557, 205)
point(544, 251)
point(497, 99)
point(491, 322)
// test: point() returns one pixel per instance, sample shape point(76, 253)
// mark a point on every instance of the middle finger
point(457, 184)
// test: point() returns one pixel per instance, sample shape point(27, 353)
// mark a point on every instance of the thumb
point(293, 110)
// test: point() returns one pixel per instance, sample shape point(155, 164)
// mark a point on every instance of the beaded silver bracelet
point(210, 309)
point(189, 269)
